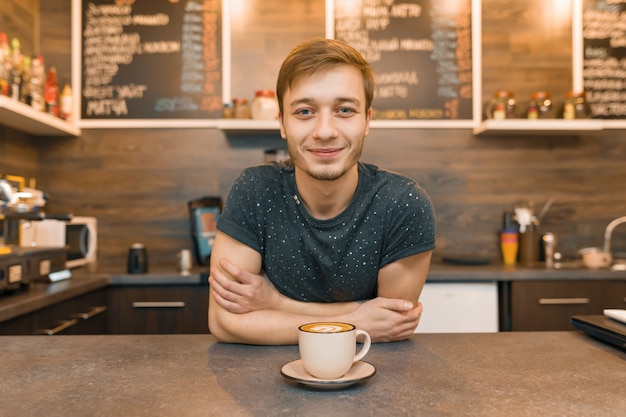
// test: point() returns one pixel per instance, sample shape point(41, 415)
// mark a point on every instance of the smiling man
point(321, 236)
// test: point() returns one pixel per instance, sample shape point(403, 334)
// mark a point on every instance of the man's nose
point(326, 126)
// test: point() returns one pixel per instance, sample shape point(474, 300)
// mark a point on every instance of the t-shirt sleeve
point(238, 218)
point(411, 221)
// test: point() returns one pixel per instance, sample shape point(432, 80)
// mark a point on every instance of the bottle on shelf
point(16, 71)
point(5, 64)
point(25, 96)
point(51, 92)
point(66, 107)
point(37, 81)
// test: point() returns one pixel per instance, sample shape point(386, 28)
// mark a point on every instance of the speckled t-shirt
point(389, 218)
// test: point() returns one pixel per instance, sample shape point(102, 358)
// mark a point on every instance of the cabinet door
point(158, 309)
point(548, 305)
point(85, 314)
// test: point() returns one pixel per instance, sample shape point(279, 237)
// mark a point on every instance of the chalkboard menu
point(604, 58)
point(421, 52)
point(151, 59)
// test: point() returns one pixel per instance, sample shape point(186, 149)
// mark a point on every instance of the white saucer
point(360, 371)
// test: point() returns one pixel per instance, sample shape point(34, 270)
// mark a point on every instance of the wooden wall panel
point(138, 181)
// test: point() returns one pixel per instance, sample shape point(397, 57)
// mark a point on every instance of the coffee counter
point(501, 374)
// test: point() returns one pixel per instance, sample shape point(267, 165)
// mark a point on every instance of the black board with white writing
point(421, 52)
point(151, 59)
point(604, 57)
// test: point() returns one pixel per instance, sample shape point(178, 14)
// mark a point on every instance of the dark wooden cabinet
point(85, 314)
point(158, 309)
point(548, 305)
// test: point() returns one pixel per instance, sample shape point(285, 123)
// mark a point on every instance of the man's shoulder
point(268, 172)
point(375, 174)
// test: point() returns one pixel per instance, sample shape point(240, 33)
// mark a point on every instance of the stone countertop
point(501, 374)
point(497, 272)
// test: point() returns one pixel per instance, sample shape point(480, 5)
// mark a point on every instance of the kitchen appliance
point(81, 238)
point(137, 259)
point(79, 235)
point(204, 214)
point(25, 265)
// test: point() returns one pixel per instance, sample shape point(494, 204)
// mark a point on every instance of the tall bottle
point(25, 96)
point(37, 81)
point(16, 71)
point(66, 107)
point(5, 64)
point(51, 92)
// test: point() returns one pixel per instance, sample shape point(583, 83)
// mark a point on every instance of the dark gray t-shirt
point(389, 218)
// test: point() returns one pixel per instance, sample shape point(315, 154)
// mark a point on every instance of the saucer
point(359, 372)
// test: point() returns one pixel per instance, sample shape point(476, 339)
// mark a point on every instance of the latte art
point(330, 327)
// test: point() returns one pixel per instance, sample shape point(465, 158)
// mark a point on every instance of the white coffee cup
point(328, 349)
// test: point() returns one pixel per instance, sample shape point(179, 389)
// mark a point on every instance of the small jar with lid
point(264, 105)
point(228, 112)
point(501, 106)
point(540, 106)
point(240, 108)
point(576, 106)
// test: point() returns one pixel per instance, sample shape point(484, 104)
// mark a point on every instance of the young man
point(321, 236)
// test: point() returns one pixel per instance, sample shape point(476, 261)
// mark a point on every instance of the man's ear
point(283, 134)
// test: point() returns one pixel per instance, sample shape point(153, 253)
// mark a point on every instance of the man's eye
point(304, 112)
point(346, 110)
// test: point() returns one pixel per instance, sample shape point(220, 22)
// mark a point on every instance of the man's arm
point(239, 310)
point(273, 322)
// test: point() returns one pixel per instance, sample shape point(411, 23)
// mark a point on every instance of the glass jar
point(576, 106)
point(540, 106)
point(264, 105)
point(240, 108)
point(501, 106)
point(228, 112)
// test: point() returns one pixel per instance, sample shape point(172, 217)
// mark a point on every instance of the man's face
point(325, 122)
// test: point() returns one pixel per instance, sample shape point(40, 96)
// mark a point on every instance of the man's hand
point(388, 320)
point(239, 291)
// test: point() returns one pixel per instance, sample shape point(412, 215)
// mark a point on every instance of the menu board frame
point(77, 81)
point(476, 50)
point(580, 46)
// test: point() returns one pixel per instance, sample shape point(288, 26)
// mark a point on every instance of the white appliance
point(459, 307)
point(81, 237)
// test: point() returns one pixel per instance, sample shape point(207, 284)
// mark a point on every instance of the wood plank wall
point(137, 182)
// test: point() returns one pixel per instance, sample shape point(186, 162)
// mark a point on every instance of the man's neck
point(327, 199)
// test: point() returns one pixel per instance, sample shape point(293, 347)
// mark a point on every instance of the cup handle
point(367, 343)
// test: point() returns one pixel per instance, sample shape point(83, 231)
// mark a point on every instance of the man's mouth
point(326, 152)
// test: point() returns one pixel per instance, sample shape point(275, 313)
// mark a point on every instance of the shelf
point(24, 118)
point(540, 127)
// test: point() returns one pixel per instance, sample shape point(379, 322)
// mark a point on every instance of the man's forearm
point(290, 305)
point(266, 327)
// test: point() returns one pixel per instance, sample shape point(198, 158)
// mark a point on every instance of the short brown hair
point(316, 55)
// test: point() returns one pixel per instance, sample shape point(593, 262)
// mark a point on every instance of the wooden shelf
point(24, 118)
point(540, 127)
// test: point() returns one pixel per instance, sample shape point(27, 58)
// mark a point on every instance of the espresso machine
point(19, 266)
